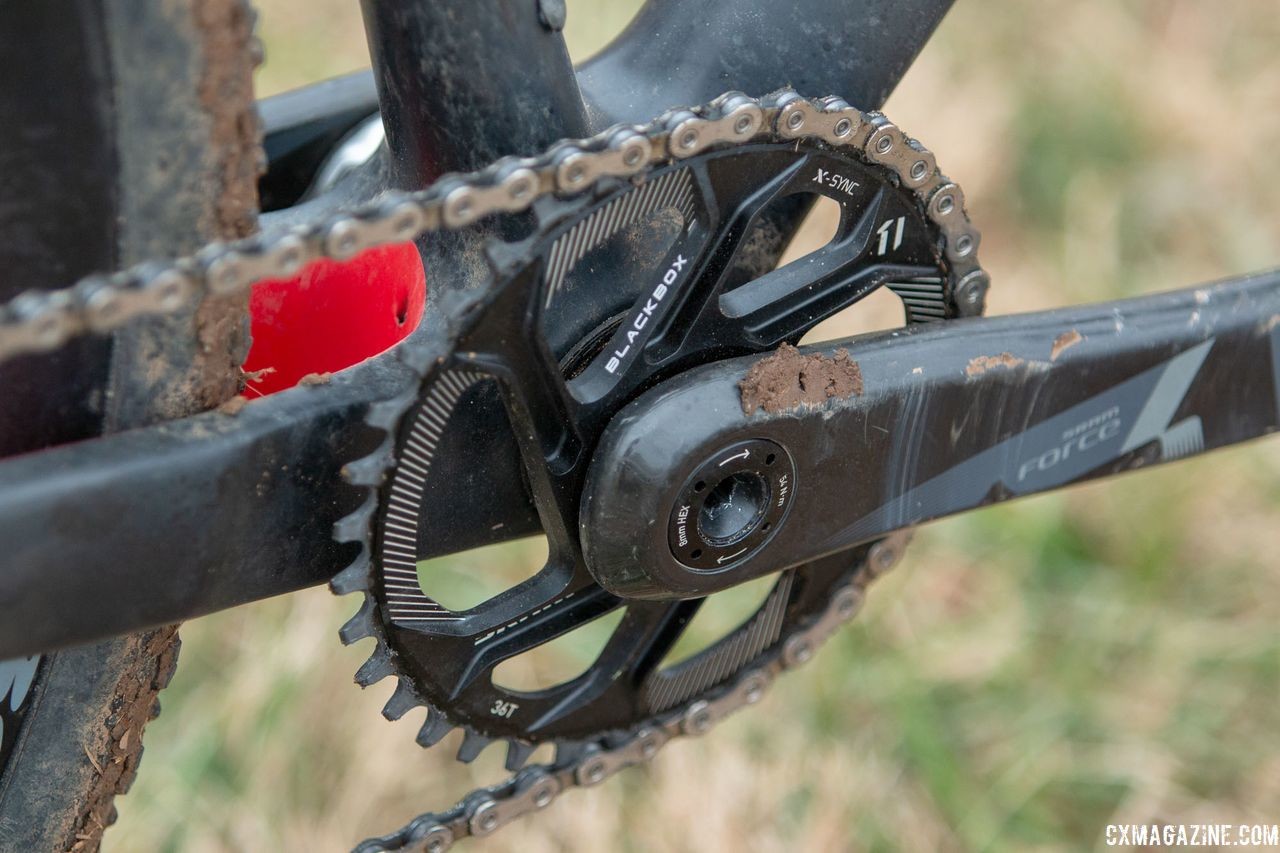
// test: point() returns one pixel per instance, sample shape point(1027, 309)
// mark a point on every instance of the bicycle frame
point(251, 500)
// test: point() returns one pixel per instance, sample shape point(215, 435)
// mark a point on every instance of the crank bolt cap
point(730, 505)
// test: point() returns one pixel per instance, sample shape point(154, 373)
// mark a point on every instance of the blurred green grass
point(1032, 671)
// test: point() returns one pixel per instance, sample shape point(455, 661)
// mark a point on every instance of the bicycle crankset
point(601, 294)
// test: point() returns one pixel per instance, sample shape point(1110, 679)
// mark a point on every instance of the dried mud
point(1064, 342)
point(787, 379)
point(981, 364)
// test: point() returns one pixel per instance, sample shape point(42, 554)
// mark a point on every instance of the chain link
point(39, 321)
point(485, 811)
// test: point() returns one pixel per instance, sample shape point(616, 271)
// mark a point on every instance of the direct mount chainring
point(612, 290)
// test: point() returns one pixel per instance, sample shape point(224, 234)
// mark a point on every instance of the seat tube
point(464, 82)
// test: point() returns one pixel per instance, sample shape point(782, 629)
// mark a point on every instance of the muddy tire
point(127, 131)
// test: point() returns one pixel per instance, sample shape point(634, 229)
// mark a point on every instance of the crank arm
point(951, 417)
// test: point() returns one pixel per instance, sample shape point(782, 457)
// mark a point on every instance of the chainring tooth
point(376, 668)
point(402, 701)
point(358, 626)
point(518, 753)
point(473, 743)
point(434, 728)
point(354, 578)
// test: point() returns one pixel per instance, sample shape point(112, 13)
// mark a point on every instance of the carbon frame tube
point(157, 525)
point(462, 84)
point(864, 47)
point(682, 52)
point(302, 127)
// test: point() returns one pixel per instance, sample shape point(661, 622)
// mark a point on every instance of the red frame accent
point(332, 315)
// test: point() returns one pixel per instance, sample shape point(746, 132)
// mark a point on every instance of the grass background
point(1032, 671)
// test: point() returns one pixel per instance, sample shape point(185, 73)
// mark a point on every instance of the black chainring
point(612, 293)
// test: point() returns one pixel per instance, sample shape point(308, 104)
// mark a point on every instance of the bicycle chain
point(39, 321)
point(485, 811)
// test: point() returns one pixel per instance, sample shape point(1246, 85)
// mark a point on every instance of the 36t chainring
point(611, 292)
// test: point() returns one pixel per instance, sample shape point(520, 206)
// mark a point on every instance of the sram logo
point(635, 324)
point(1078, 439)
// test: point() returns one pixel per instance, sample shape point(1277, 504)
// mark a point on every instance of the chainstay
point(484, 811)
point(39, 321)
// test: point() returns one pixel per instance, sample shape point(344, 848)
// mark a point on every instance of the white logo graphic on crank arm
point(1057, 450)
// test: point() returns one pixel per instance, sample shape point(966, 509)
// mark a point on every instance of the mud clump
point(983, 363)
point(1064, 342)
point(234, 406)
point(787, 379)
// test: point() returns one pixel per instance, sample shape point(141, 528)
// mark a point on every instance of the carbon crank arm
point(744, 477)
